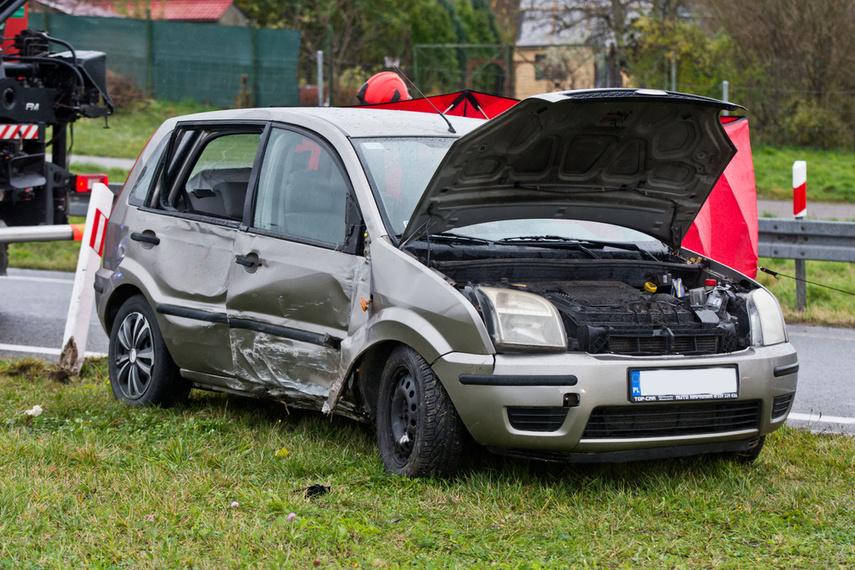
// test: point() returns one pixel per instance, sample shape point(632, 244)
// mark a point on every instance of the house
point(223, 12)
point(555, 50)
point(74, 8)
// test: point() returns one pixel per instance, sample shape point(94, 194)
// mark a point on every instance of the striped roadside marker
point(800, 189)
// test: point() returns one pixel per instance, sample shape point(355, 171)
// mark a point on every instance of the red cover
point(466, 103)
point(726, 226)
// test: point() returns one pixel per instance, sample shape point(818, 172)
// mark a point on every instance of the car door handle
point(145, 238)
point(250, 261)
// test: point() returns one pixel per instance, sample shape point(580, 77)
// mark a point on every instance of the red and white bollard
point(800, 212)
point(83, 295)
point(800, 189)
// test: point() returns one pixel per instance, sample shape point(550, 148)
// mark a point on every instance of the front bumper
point(575, 402)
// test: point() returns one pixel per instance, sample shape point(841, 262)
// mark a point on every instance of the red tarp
point(466, 103)
point(726, 226)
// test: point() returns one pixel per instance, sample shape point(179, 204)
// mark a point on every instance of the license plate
point(683, 384)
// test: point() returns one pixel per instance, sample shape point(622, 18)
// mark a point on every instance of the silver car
point(520, 279)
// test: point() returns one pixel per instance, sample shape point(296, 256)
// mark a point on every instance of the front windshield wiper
point(550, 240)
point(451, 238)
point(582, 245)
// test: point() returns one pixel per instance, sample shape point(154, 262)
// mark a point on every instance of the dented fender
point(400, 310)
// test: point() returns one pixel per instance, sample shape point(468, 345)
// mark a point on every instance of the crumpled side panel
point(283, 366)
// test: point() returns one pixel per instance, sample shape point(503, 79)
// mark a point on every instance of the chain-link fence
point(174, 60)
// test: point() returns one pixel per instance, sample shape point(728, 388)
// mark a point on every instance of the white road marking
point(820, 418)
point(820, 335)
point(38, 279)
point(45, 350)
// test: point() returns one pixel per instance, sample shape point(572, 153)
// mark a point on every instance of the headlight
point(521, 321)
point(766, 318)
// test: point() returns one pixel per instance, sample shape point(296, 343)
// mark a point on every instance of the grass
point(129, 128)
point(93, 483)
point(49, 255)
point(113, 174)
point(824, 306)
point(830, 173)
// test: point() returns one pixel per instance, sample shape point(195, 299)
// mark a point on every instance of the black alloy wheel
point(141, 370)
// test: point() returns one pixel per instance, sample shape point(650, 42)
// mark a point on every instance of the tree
point(810, 43)
point(807, 50)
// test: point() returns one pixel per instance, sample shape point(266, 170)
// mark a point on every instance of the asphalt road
point(33, 310)
point(34, 304)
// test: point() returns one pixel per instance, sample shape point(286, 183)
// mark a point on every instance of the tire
point(141, 370)
point(419, 433)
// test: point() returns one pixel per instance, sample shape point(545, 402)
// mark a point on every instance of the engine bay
point(610, 300)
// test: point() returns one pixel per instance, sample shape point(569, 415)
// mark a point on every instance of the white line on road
point(820, 418)
point(38, 279)
point(820, 335)
point(45, 350)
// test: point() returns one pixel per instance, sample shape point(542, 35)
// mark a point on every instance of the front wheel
point(418, 431)
point(142, 371)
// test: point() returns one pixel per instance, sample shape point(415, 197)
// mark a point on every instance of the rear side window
point(143, 183)
point(214, 178)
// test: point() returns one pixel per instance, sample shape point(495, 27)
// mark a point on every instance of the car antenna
point(450, 128)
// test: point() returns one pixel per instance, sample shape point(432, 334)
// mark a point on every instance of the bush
point(125, 92)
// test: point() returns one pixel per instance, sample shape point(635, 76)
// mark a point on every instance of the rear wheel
point(141, 370)
point(418, 431)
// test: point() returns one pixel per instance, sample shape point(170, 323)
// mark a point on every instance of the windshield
point(550, 230)
point(399, 169)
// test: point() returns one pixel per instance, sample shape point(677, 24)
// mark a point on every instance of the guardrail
point(805, 239)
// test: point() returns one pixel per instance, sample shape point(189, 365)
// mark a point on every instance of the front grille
point(669, 420)
point(640, 345)
point(537, 418)
point(780, 405)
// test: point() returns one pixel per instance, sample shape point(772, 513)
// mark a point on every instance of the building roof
point(175, 10)
point(79, 8)
point(550, 22)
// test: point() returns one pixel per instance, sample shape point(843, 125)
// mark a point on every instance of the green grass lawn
point(824, 306)
point(50, 255)
point(830, 173)
point(129, 129)
point(213, 484)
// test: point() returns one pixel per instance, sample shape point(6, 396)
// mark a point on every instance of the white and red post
point(800, 189)
point(83, 295)
point(800, 212)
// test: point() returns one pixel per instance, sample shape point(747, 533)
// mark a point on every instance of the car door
point(184, 238)
point(294, 270)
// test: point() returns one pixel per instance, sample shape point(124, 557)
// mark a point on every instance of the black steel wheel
point(418, 431)
point(141, 370)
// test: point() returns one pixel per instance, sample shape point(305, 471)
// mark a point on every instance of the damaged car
point(519, 279)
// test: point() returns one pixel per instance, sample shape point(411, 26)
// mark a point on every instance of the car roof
point(351, 121)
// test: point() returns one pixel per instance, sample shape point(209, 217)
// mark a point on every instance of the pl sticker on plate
point(683, 384)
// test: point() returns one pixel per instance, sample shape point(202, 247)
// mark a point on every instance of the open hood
point(641, 159)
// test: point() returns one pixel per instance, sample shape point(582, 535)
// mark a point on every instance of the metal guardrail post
point(801, 286)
